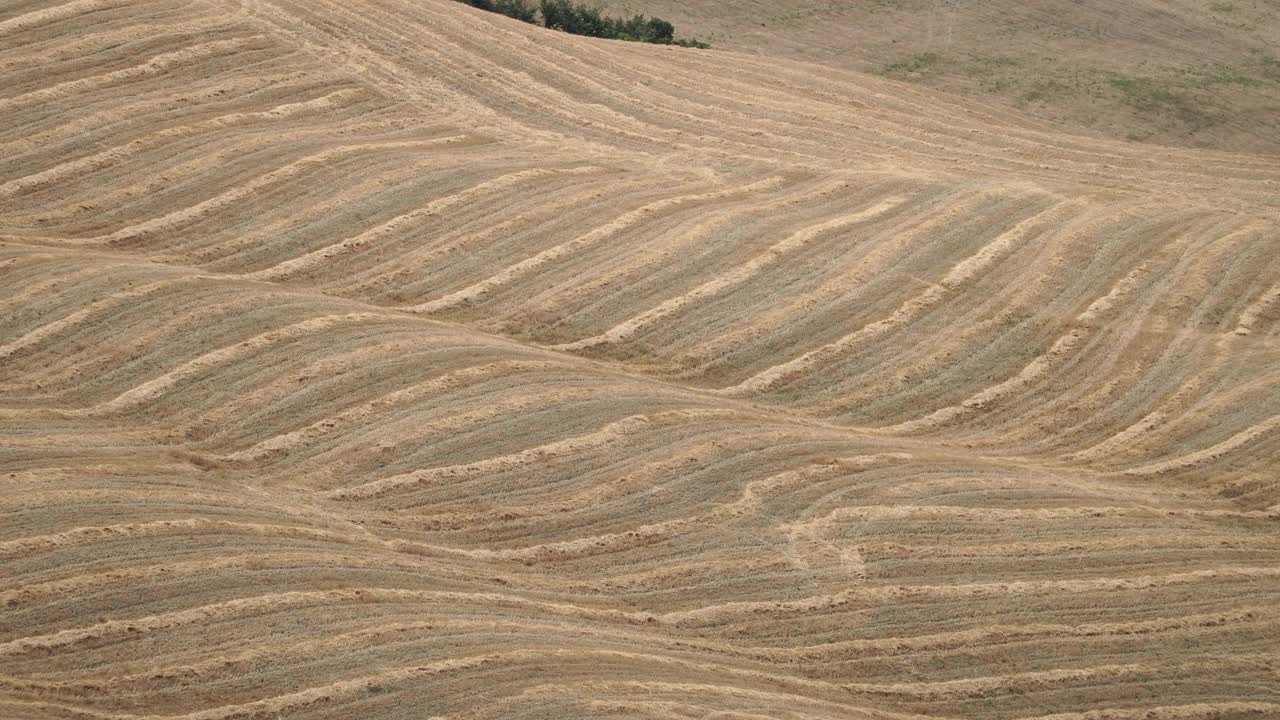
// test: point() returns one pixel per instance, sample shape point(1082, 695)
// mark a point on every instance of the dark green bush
point(559, 15)
point(518, 9)
point(568, 16)
point(643, 29)
point(576, 19)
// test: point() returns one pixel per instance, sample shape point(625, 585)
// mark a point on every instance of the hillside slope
point(1183, 72)
point(395, 359)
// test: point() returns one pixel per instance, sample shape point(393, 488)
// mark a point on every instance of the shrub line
point(579, 19)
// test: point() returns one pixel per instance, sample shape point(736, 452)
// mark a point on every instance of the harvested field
point(396, 359)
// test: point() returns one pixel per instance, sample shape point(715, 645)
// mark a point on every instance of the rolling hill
point(1198, 73)
point(397, 359)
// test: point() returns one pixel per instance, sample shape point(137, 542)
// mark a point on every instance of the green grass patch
point(985, 66)
point(1270, 65)
point(1044, 90)
point(1219, 74)
point(915, 67)
point(1153, 97)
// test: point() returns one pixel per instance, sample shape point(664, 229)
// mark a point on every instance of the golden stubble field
point(399, 360)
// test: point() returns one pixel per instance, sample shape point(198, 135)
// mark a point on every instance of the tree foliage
point(578, 19)
point(518, 9)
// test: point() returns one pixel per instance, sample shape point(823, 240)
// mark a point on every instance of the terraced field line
point(377, 406)
point(115, 155)
point(48, 330)
point(734, 276)
point(1256, 310)
point(1230, 445)
point(611, 433)
point(62, 11)
point(252, 187)
point(247, 348)
point(957, 276)
point(154, 65)
point(315, 258)
point(524, 267)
